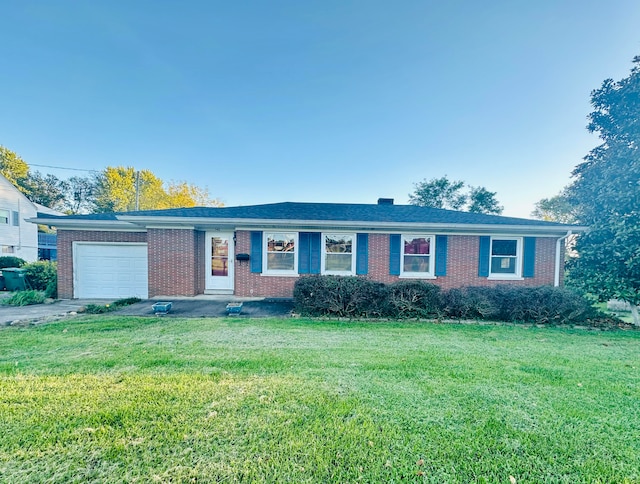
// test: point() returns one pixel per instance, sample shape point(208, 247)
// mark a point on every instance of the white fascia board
point(442, 228)
point(170, 227)
point(77, 224)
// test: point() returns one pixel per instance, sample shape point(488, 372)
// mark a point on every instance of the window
point(8, 249)
point(417, 256)
point(338, 254)
point(506, 257)
point(4, 216)
point(15, 218)
point(219, 256)
point(280, 252)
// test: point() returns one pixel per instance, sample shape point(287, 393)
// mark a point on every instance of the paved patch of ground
point(213, 308)
point(15, 315)
point(196, 307)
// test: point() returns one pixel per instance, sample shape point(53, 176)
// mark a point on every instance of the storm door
point(219, 260)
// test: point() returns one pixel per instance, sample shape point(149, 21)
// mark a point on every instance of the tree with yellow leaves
point(123, 189)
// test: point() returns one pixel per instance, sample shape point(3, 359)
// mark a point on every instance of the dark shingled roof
point(343, 212)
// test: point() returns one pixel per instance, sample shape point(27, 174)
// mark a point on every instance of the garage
point(114, 270)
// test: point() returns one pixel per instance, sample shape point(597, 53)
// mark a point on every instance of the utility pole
point(137, 190)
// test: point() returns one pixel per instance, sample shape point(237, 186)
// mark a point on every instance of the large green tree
point(453, 195)
point(606, 195)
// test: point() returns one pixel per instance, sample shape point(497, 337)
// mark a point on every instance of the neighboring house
point(47, 241)
point(18, 238)
point(262, 250)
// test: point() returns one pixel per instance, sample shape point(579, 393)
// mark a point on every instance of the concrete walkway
point(213, 307)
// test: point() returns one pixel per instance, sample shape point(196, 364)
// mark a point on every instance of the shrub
point(40, 274)
point(24, 298)
point(470, 303)
point(11, 261)
point(105, 308)
point(52, 289)
point(540, 305)
point(415, 299)
point(340, 296)
point(360, 297)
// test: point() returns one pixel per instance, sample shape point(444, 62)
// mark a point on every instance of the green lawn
point(123, 399)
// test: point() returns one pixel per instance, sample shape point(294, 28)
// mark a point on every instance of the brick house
point(261, 250)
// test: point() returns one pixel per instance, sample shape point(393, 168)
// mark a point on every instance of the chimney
point(385, 201)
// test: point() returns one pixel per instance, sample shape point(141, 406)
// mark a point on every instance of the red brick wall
point(200, 268)
point(177, 263)
point(174, 255)
point(250, 284)
point(462, 267)
point(65, 252)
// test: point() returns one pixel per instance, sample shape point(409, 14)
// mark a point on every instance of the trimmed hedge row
point(355, 297)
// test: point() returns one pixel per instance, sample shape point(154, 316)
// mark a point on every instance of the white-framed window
point(418, 256)
point(15, 218)
point(505, 258)
point(8, 249)
point(280, 253)
point(339, 254)
point(4, 216)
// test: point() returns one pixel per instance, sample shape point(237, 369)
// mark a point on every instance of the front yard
point(125, 399)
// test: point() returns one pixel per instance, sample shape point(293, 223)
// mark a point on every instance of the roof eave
point(84, 224)
point(203, 222)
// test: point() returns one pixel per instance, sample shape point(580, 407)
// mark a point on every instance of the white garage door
point(110, 270)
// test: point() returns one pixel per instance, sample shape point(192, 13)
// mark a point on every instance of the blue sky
point(325, 101)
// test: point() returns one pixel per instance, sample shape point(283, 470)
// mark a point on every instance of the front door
point(219, 258)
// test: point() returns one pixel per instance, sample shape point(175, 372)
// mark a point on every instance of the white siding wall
point(23, 239)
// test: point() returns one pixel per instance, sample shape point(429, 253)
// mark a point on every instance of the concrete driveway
point(192, 307)
point(45, 312)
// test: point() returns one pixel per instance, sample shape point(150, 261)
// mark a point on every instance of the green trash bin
point(14, 279)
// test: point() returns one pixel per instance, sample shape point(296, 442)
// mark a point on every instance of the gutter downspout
point(556, 275)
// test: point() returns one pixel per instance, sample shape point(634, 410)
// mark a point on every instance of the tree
point(12, 167)
point(80, 195)
point(606, 195)
point(482, 200)
point(116, 190)
point(120, 189)
point(47, 190)
point(556, 209)
point(182, 194)
point(443, 193)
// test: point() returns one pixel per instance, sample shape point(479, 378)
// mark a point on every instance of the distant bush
point(24, 298)
point(11, 261)
point(41, 274)
point(357, 297)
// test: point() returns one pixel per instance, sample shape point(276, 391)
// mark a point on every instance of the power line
point(64, 168)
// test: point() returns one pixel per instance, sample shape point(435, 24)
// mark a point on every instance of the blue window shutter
point(394, 254)
point(362, 254)
point(315, 252)
point(256, 251)
point(304, 265)
point(483, 257)
point(441, 255)
point(529, 257)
